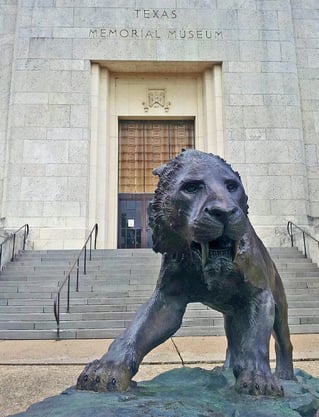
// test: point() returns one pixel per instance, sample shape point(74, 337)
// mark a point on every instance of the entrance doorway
point(143, 146)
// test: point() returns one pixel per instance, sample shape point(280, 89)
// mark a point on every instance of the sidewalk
point(32, 370)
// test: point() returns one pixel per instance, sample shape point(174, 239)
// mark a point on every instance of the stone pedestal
point(185, 392)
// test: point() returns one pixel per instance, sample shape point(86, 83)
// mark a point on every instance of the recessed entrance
point(143, 146)
point(191, 92)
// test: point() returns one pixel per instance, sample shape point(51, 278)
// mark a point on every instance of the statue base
point(187, 392)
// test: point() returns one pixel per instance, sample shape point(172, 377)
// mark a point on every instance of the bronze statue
point(211, 254)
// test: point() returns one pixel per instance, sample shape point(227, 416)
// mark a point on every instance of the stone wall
point(306, 30)
point(49, 132)
point(269, 56)
point(8, 11)
point(264, 133)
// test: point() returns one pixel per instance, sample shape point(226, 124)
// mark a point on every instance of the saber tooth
point(205, 253)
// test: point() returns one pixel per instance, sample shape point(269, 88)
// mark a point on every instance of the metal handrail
point(57, 300)
point(12, 236)
point(305, 234)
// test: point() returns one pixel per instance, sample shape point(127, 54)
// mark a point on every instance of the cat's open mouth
point(222, 247)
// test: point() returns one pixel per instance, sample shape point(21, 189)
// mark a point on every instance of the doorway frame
point(106, 111)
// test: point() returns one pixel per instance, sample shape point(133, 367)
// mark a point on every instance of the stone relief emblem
point(156, 97)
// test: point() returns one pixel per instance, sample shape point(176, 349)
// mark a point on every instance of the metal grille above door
point(143, 146)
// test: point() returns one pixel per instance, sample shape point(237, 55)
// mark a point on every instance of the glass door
point(134, 230)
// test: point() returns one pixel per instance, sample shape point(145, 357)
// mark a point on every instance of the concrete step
point(121, 278)
point(304, 328)
point(23, 309)
point(116, 284)
point(102, 333)
point(284, 250)
point(201, 331)
point(303, 315)
point(128, 301)
point(116, 322)
point(33, 334)
point(297, 267)
point(12, 290)
point(289, 273)
point(301, 284)
point(314, 292)
point(303, 303)
point(299, 277)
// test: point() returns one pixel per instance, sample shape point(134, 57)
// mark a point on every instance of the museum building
point(97, 93)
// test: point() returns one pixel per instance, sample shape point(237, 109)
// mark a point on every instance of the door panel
point(134, 232)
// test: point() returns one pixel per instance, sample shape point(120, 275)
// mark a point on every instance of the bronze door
point(143, 146)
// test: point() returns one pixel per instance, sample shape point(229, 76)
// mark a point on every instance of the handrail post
point(68, 299)
point(56, 310)
point(77, 274)
point(96, 232)
point(25, 234)
point(13, 246)
point(84, 268)
point(290, 233)
point(58, 323)
point(90, 248)
point(304, 243)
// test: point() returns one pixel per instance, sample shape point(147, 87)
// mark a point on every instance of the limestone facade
point(247, 73)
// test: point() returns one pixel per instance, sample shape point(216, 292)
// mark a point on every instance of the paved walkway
point(35, 369)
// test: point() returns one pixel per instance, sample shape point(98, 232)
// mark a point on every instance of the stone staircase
point(116, 284)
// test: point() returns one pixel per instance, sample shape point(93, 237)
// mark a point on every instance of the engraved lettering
point(155, 13)
point(124, 33)
point(93, 33)
point(149, 34)
point(189, 34)
point(154, 34)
